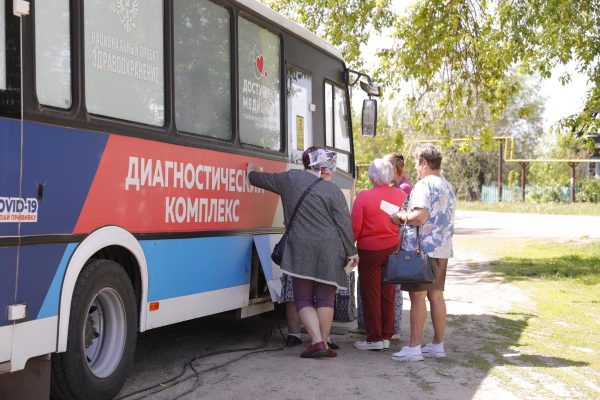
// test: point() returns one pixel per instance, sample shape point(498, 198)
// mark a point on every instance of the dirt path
point(477, 302)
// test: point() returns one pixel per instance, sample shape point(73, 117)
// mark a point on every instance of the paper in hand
point(389, 208)
point(349, 267)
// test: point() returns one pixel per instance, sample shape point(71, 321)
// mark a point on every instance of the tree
point(470, 51)
point(466, 55)
point(345, 24)
point(389, 139)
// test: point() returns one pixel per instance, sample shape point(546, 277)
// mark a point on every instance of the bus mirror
point(369, 117)
point(370, 88)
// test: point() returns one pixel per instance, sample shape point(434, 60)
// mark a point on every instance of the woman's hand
point(250, 167)
point(399, 217)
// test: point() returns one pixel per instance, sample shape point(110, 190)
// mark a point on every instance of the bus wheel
point(101, 337)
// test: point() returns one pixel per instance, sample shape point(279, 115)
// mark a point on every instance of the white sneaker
point(364, 345)
point(396, 336)
point(386, 344)
point(408, 354)
point(433, 350)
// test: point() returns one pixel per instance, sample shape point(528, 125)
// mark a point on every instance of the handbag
point(277, 254)
point(344, 306)
point(408, 266)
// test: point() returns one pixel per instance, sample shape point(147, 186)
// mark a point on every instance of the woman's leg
point(292, 317)
point(397, 311)
point(370, 287)
point(325, 315)
point(388, 295)
point(438, 314)
point(418, 314)
point(325, 297)
point(360, 322)
point(303, 298)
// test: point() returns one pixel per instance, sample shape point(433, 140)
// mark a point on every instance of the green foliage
point(468, 52)
point(559, 144)
point(468, 170)
point(551, 193)
point(389, 139)
point(588, 191)
point(345, 24)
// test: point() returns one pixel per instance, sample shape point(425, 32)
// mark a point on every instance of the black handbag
point(277, 254)
point(408, 266)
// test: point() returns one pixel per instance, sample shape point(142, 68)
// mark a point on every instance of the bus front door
point(299, 110)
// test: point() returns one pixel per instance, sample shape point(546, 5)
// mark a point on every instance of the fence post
point(572, 165)
point(523, 179)
point(500, 164)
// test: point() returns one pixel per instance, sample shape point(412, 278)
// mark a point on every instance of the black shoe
point(333, 345)
point(293, 341)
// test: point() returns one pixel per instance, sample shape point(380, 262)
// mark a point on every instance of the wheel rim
point(104, 332)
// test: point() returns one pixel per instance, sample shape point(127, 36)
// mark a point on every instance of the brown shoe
point(330, 353)
point(314, 351)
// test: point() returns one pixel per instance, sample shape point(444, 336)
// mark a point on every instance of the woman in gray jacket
point(320, 241)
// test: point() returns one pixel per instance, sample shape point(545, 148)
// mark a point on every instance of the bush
point(588, 191)
point(547, 194)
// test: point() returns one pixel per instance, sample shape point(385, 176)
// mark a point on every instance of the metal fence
point(489, 193)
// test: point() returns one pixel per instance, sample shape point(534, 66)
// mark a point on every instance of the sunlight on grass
point(580, 261)
point(533, 208)
point(559, 339)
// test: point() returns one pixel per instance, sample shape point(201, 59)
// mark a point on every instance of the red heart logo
point(260, 64)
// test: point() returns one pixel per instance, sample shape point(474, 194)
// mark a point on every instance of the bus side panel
point(10, 163)
point(179, 267)
point(196, 277)
point(8, 261)
point(64, 162)
point(148, 186)
point(39, 266)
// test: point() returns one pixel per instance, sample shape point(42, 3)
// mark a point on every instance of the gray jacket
point(321, 238)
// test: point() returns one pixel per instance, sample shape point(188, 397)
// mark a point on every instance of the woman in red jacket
point(376, 238)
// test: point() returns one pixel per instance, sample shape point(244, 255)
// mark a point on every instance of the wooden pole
point(523, 179)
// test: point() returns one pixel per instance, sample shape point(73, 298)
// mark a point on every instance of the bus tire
point(101, 337)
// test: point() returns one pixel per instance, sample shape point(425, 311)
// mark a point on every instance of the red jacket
point(373, 229)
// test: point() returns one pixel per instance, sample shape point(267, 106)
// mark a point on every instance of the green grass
point(554, 261)
point(533, 208)
point(555, 334)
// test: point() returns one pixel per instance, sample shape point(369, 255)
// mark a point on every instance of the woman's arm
point(416, 217)
point(341, 218)
point(265, 180)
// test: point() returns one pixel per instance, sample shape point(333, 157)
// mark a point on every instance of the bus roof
point(291, 26)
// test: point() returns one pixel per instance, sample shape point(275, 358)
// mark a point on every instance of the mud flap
point(264, 246)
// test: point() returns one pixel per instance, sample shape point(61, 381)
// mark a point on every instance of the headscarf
point(322, 160)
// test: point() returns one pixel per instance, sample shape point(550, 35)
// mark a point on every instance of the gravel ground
point(475, 300)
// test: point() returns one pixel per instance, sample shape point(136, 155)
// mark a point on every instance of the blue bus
point(125, 130)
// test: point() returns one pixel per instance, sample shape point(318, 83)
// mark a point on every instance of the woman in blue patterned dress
point(431, 209)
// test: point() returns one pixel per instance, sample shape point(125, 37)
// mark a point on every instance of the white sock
point(294, 334)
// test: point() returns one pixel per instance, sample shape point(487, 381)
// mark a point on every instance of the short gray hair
point(430, 153)
point(381, 172)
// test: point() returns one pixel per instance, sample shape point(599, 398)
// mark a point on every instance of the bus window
point(337, 125)
point(124, 60)
point(2, 46)
point(202, 68)
point(328, 115)
point(53, 53)
point(299, 99)
point(260, 80)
